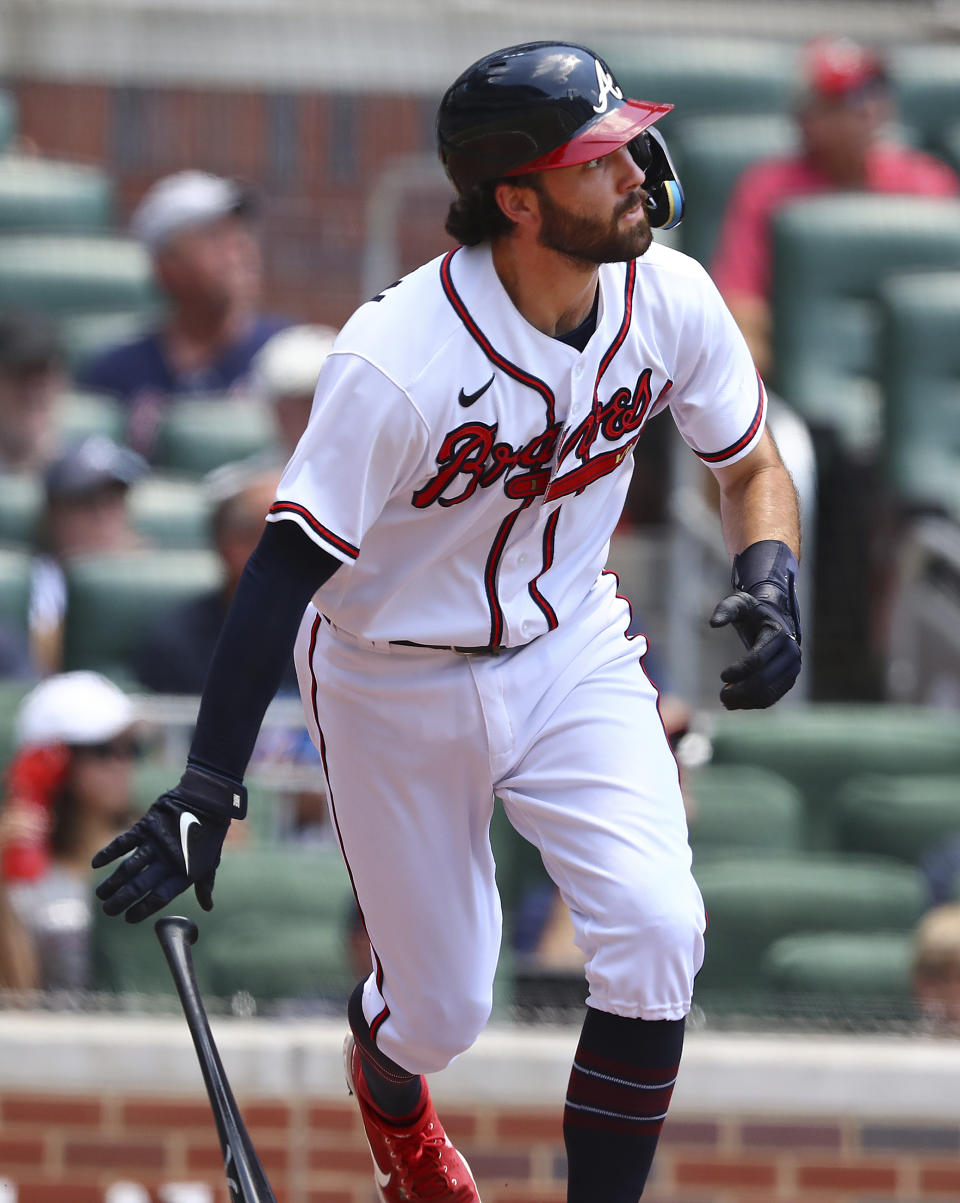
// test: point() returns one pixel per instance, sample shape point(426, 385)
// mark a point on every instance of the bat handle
point(176, 933)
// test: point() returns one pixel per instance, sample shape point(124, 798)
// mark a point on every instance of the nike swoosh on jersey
point(467, 399)
point(186, 820)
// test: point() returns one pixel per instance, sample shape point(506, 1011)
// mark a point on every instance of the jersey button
point(526, 627)
point(522, 559)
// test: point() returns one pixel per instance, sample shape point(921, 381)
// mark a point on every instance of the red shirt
point(742, 261)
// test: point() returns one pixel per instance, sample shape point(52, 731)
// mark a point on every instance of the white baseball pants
point(566, 731)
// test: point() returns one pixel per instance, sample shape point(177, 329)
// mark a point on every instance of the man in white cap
point(198, 230)
point(284, 374)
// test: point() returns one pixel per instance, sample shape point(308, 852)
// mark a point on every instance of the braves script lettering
point(625, 412)
point(471, 457)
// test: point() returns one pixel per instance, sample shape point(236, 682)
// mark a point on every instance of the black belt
point(481, 650)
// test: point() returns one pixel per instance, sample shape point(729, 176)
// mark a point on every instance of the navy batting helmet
point(541, 105)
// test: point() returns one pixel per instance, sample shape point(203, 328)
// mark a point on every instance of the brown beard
point(589, 240)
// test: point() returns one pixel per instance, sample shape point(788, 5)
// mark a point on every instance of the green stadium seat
point(81, 414)
point(738, 807)
point(199, 434)
point(865, 971)
point(14, 587)
point(819, 748)
point(11, 695)
point(8, 119)
point(897, 815)
point(921, 388)
point(705, 75)
point(171, 511)
point(44, 195)
point(831, 253)
point(21, 500)
point(951, 145)
point(263, 897)
point(59, 274)
point(752, 901)
point(291, 957)
point(282, 926)
point(519, 865)
point(112, 599)
point(926, 85)
point(84, 335)
point(284, 879)
point(711, 153)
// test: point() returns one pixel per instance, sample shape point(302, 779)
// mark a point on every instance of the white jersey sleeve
point(719, 403)
point(364, 440)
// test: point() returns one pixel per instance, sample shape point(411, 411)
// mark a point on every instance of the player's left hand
point(176, 844)
point(763, 609)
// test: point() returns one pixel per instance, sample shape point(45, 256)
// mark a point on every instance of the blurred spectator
point(843, 104)
point(936, 968)
point(67, 791)
point(15, 660)
point(285, 374)
point(940, 865)
point(86, 511)
point(31, 380)
point(198, 230)
point(176, 651)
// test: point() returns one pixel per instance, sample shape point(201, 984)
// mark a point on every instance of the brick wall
point(89, 1099)
point(67, 1148)
point(313, 157)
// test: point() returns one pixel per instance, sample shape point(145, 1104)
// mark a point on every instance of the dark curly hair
point(475, 216)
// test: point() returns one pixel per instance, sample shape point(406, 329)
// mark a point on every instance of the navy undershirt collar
point(580, 335)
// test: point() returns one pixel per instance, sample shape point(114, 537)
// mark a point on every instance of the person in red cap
point(841, 108)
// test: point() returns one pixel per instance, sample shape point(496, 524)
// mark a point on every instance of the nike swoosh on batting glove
point(763, 609)
point(176, 844)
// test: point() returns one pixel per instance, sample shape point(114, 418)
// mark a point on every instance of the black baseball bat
point(245, 1177)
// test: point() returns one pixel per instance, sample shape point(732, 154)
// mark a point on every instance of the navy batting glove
point(176, 844)
point(764, 611)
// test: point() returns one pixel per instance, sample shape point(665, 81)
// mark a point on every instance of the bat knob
point(177, 923)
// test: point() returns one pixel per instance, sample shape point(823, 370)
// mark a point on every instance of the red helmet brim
point(613, 129)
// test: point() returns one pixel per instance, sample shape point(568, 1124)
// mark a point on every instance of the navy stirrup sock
point(394, 1092)
point(620, 1087)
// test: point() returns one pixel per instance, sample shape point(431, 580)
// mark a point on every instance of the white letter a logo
point(607, 89)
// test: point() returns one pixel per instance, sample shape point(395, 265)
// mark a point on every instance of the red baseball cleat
point(414, 1163)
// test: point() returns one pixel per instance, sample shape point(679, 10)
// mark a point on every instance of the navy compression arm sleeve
point(283, 573)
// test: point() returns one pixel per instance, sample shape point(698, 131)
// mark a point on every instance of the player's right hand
point(176, 844)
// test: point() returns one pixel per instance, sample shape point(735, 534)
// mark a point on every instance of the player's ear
point(519, 202)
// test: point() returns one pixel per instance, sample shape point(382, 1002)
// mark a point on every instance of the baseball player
point(436, 550)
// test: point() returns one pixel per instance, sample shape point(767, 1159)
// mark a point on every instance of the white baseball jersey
point(469, 470)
